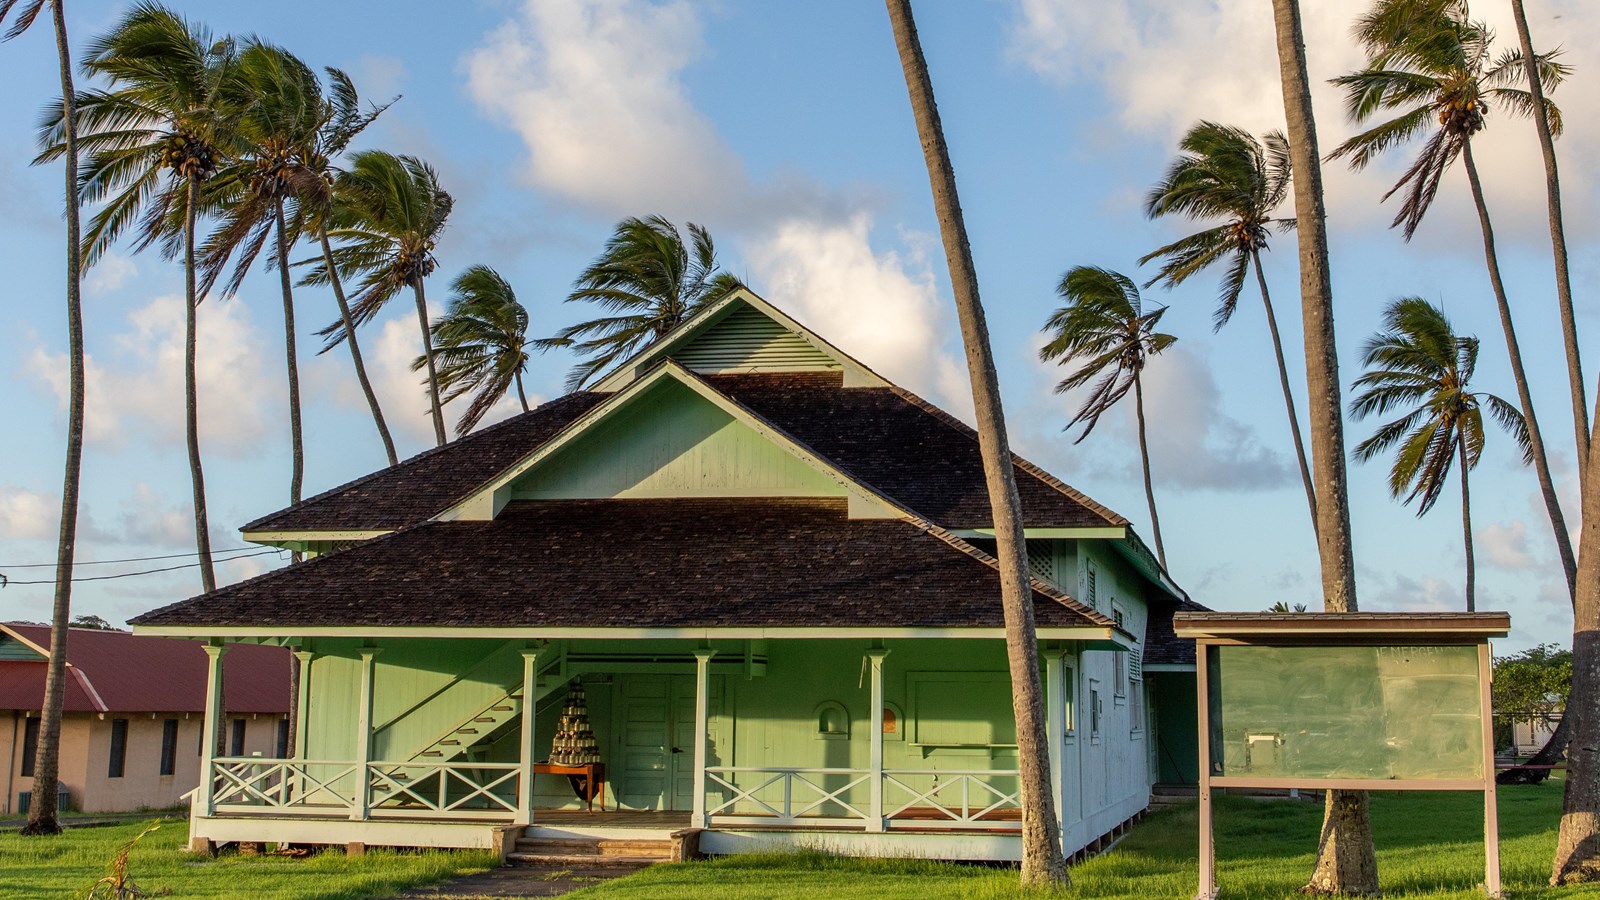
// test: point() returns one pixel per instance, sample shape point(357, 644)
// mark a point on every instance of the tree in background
point(1431, 67)
point(1225, 173)
point(1419, 366)
point(481, 343)
point(387, 214)
point(42, 815)
point(1042, 862)
point(1531, 686)
point(1105, 333)
point(650, 281)
point(1346, 861)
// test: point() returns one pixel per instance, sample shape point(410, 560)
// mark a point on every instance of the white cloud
point(401, 392)
point(595, 90)
point(141, 385)
point(1194, 443)
point(1505, 545)
point(148, 519)
point(111, 272)
point(879, 306)
point(1405, 593)
point(27, 515)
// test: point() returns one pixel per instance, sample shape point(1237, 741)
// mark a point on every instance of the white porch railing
point(432, 790)
point(976, 799)
point(785, 796)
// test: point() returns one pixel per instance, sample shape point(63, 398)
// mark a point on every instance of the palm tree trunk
point(1578, 842)
point(297, 448)
point(1558, 240)
point(1346, 861)
point(1466, 522)
point(520, 394)
point(1288, 395)
point(42, 814)
point(1042, 861)
point(1144, 459)
point(433, 371)
point(355, 348)
point(191, 400)
point(1541, 463)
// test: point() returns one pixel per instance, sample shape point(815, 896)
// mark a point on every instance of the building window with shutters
point(1094, 710)
point(1119, 660)
point(119, 748)
point(236, 743)
point(1136, 708)
point(169, 746)
point(30, 746)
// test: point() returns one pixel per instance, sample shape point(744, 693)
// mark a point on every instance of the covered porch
point(412, 741)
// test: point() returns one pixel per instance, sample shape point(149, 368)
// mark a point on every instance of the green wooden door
point(655, 756)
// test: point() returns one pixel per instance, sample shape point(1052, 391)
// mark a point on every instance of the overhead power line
point(102, 562)
point(4, 582)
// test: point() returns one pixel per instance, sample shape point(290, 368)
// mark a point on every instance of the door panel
point(656, 737)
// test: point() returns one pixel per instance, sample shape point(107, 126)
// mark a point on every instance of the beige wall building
point(130, 733)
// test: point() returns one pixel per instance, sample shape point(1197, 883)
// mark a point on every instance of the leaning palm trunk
point(42, 814)
point(1541, 464)
point(1346, 861)
point(191, 400)
point(355, 348)
point(1558, 239)
point(521, 394)
point(1578, 843)
point(1042, 861)
point(433, 371)
point(1144, 461)
point(1288, 395)
point(1466, 523)
point(297, 447)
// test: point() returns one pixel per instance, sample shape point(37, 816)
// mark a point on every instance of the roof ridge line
point(1112, 516)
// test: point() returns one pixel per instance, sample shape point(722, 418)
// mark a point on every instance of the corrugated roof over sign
point(118, 672)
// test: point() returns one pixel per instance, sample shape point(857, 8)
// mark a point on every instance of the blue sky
point(784, 128)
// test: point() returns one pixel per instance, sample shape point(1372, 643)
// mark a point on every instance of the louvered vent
point(746, 340)
point(1042, 561)
point(1136, 664)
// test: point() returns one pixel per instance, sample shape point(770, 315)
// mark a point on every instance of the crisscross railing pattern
point(283, 783)
point(982, 803)
point(435, 788)
point(448, 790)
point(802, 795)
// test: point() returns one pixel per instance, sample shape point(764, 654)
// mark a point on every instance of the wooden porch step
point(595, 848)
point(584, 860)
point(466, 731)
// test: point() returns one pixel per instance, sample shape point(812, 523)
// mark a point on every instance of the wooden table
point(588, 781)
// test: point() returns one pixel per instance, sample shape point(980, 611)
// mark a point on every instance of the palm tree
point(47, 766)
point(481, 344)
point(1042, 862)
point(1432, 66)
point(1577, 856)
point(1418, 365)
point(153, 140)
point(1225, 173)
point(1346, 859)
point(651, 281)
point(1558, 233)
point(388, 212)
point(1105, 332)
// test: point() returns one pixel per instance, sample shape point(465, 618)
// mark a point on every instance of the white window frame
point(1119, 661)
point(1096, 711)
point(1137, 711)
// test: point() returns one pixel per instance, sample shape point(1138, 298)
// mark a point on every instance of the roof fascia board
point(855, 374)
point(1109, 532)
point(229, 633)
point(272, 537)
point(88, 688)
point(486, 502)
point(1132, 549)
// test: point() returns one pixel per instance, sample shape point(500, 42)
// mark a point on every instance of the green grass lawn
point(1429, 845)
point(65, 866)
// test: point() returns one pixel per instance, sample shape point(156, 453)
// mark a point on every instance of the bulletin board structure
point(1345, 701)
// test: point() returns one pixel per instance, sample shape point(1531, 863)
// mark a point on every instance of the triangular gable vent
point(746, 340)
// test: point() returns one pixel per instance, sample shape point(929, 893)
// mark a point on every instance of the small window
point(283, 739)
point(1136, 710)
point(833, 722)
point(169, 746)
point(894, 723)
point(30, 746)
point(236, 744)
point(1094, 710)
point(119, 748)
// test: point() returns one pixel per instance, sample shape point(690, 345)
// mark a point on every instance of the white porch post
point(302, 703)
point(363, 797)
point(702, 725)
point(1055, 693)
point(209, 727)
point(530, 703)
point(875, 820)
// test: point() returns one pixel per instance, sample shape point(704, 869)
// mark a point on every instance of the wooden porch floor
point(616, 818)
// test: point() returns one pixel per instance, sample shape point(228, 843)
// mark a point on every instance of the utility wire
point(4, 582)
point(101, 562)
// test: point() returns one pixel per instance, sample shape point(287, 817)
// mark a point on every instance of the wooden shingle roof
point(676, 563)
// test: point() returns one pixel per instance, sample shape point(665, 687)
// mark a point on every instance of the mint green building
point(770, 571)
